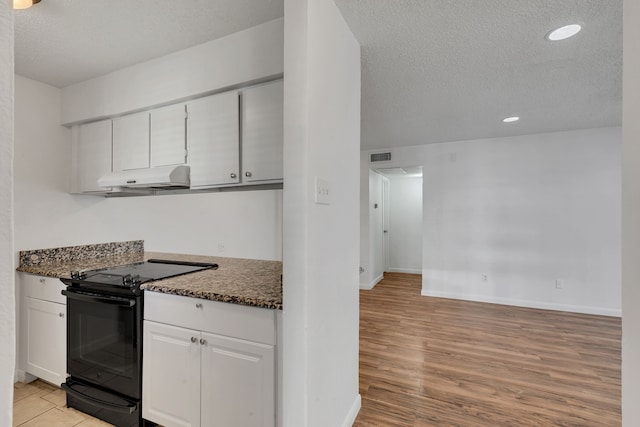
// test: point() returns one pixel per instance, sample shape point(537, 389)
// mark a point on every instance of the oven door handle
point(122, 302)
point(124, 409)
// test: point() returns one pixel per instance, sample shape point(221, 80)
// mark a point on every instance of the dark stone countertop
point(239, 281)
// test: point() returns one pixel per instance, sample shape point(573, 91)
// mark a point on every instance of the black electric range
point(104, 337)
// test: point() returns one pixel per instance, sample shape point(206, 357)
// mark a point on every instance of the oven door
point(104, 340)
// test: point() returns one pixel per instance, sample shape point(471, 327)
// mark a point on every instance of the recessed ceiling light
point(24, 4)
point(564, 32)
point(511, 119)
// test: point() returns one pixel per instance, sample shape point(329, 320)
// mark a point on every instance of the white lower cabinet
point(237, 382)
point(207, 375)
point(43, 338)
point(171, 375)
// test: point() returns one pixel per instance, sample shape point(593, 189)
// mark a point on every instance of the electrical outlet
point(322, 193)
point(485, 278)
point(220, 246)
point(559, 283)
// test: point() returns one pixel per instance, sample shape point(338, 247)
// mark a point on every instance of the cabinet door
point(46, 339)
point(238, 384)
point(213, 136)
point(171, 375)
point(168, 136)
point(94, 155)
point(131, 142)
point(262, 132)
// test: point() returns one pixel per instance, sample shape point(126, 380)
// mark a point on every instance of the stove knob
point(127, 280)
point(135, 280)
point(78, 275)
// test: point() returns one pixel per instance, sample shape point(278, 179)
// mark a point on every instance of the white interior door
point(385, 223)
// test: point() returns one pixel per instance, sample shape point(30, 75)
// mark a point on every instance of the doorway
point(401, 225)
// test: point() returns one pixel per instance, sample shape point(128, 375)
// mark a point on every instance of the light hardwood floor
point(440, 362)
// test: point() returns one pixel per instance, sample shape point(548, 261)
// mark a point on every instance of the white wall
point(374, 270)
point(322, 138)
point(631, 217)
point(7, 314)
point(525, 211)
point(405, 224)
point(245, 56)
point(365, 226)
point(249, 223)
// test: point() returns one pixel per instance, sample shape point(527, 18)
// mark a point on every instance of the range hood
point(158, 177)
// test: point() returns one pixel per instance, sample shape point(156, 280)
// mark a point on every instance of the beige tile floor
point(39, 404)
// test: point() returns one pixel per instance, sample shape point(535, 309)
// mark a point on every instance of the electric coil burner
point(104, 337)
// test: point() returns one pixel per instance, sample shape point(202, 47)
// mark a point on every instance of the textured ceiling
point(432, 70)
point(443, 70)
point(61, 42)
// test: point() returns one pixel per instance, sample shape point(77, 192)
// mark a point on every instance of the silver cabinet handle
point(247, 174)
point(233, 175)
point(194, 339)
point(198, 305)
point(203, 341)
point(60, 314)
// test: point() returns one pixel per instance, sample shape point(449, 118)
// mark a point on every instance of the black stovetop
point(133, 275)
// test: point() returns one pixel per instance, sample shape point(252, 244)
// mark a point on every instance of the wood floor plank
point(439, 362)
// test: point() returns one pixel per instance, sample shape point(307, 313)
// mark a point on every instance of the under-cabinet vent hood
point(158, 177)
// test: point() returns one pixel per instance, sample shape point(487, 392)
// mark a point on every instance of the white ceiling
point(61, 42)
point(433, 70)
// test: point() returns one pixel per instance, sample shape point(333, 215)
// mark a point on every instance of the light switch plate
point(322, 192)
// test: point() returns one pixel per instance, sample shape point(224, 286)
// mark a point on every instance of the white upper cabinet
point(93, 159)
point(213, 138)
point(168, 136)
point(131, 142)
point(229, 139)
point(262, 134)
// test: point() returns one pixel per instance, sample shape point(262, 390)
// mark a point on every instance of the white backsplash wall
point(244, 224)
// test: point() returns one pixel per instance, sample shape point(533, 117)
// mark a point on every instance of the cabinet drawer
point(44, 288)
point(232, 320)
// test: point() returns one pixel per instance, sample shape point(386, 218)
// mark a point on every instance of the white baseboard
point(405, 270)
point(23, 377)
point(353, 412)
point(525, 303)
point(374, 282)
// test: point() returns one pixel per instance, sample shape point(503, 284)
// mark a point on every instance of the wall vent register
point(380, 157)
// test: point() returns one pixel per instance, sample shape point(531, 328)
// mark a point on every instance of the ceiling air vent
point(380, 157)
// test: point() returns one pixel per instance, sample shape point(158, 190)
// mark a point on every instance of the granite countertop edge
point(211, 296)
point(255, 283)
